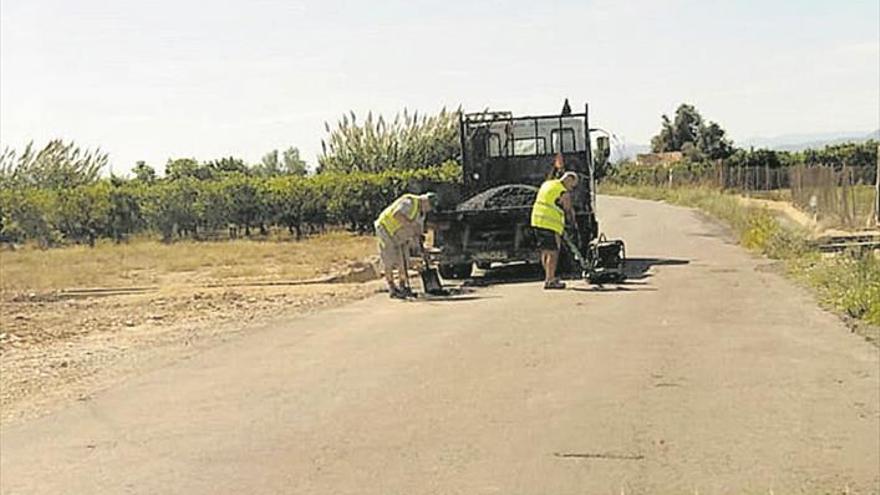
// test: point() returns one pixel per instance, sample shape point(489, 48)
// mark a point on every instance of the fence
point(840, 196)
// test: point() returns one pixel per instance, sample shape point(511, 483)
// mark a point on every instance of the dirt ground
point(794, 217)
point(60, 343)
point(704, 373)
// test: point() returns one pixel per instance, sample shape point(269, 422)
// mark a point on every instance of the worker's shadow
point(640, 268)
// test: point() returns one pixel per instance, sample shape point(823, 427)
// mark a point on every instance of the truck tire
point(455, 271)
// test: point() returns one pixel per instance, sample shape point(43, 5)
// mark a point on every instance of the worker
point(399, 226)
point(557, 169)
point(552, 206)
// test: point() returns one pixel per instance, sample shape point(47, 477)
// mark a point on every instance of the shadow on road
point(637, 268)
point(451, 298)
point(624, 286)
point(509, 274)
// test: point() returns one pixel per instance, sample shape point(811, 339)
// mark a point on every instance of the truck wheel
point(455, 271)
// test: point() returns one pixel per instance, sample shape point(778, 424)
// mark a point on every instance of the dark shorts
point(547, 240)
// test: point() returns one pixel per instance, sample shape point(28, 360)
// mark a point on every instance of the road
point(707, 373)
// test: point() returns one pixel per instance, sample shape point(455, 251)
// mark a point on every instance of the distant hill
point(786, 142)
point(797, 142)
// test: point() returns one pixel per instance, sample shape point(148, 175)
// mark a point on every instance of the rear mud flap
point(431, 282)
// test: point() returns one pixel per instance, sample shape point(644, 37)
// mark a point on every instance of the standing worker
point(552, 206)
point(401, 223)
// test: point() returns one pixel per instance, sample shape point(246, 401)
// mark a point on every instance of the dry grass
point(147, 262)
point(860, 198)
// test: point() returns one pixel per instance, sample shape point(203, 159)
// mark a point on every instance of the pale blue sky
point(157, 79)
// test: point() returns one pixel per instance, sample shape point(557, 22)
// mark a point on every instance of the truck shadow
point(450, 293)
point(635, 269)
point(624, 286)
point(639, 268)
point(510, 274)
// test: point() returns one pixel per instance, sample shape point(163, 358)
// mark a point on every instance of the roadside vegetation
point(56, 195)
point(847, 283)
point(146, 262)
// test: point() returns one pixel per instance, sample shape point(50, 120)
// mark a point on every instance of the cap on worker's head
point(432, 198)
point(570, 175)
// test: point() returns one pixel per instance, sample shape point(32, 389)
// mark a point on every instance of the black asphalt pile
point(501, 197)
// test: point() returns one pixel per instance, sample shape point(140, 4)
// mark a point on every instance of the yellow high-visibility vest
point(386, 219)
point(546, 214)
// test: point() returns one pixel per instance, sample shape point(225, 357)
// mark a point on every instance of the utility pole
point(877, 191)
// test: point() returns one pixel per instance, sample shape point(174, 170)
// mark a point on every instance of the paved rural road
point(708, 374)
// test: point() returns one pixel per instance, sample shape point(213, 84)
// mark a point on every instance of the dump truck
point(505, 158)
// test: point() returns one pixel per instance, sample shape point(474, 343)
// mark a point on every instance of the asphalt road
point(706, 373)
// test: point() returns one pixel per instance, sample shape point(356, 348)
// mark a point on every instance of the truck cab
point(505, 159)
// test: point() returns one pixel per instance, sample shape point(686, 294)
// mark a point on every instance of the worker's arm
point(565, 199)
point(409, 228)
point(402, 218)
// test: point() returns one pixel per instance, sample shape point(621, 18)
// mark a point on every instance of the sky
point(158, 79)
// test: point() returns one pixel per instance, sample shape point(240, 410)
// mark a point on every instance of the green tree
point(410, 141)
point(124, 216)
point(292, 163)
point(288, 199)
point(713, 143)
point(757, 158)
point(228, 165)
point(287, 163)
point(691, 135)
point(181, 168)
point(269, 165)
point(26, 216)
point(245, 203)
point(174, 207)
point(665, 140)
point(57, 165)
point(82, 213)
point(143, 172)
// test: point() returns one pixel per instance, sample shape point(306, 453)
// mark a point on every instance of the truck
point(486, 218)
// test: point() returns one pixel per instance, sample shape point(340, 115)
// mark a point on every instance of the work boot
point(395, 293)
point(554, 284)
point(407, 292)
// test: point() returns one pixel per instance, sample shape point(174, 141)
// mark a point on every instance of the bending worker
point(399, 225)
point(552, 206)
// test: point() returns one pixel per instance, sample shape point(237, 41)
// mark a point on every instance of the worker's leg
point(551, 281)
point(389, 279)
point(545, 263)
point(403, 277)
point(390, 259)
point(552, 260)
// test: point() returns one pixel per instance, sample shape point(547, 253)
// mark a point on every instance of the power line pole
point(877, 191)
